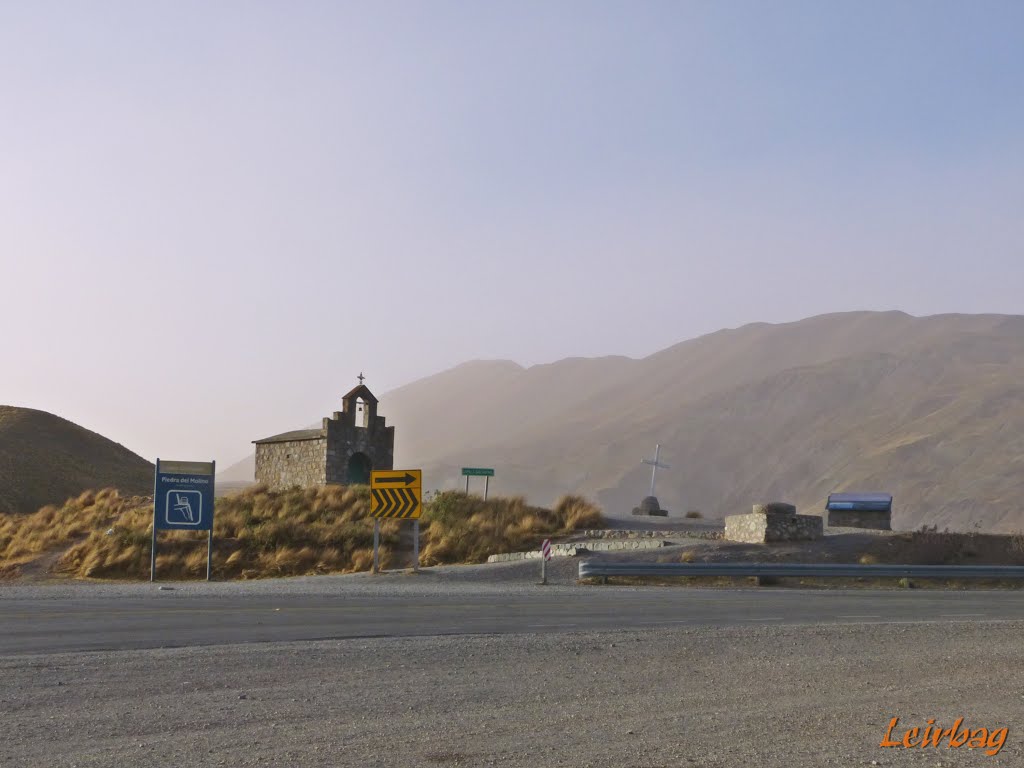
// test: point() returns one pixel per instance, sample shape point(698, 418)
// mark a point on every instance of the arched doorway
point(359, 467)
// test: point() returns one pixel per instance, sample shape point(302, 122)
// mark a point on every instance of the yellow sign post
point(396, 493)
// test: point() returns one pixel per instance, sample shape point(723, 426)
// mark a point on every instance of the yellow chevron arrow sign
point(396, 493)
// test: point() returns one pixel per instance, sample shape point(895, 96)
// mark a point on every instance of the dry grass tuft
point(578, 513)
point(458, 528)
point(1017, 545)
point(23, 537)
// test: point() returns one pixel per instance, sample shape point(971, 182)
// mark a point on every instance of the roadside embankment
point(261, 533)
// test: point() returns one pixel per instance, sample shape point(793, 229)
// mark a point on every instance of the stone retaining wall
point(575, 550)
point(615, 546)
point(620, 533)
point(557, 550)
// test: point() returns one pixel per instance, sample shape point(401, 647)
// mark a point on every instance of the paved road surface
point(173, 619)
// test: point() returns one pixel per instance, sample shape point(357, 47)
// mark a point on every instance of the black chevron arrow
point(377, 507)
point(396, 497)
point(409, 505)
point(392, 505)
point(414, 505)
point(396, 502)
point(383, 506)
point(409, 479)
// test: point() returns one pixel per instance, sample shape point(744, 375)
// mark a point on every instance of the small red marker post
point(545, 555)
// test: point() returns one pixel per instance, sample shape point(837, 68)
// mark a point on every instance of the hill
point(45, 459)
point(930, 409)
point(260, 533)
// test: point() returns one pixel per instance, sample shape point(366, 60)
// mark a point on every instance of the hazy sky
point(213, 215)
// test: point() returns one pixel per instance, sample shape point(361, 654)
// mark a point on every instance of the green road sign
point(477, 472)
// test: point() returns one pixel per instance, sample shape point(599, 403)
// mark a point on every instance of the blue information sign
point(183, 495)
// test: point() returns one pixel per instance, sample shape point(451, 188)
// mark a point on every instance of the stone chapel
point(343, 450)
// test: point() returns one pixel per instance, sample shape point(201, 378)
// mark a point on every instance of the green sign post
point(485, 472)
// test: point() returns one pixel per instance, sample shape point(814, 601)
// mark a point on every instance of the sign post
point(416, 545)
point(485, 472)
point(183, 501)
point(376, 545)
point(396, 493)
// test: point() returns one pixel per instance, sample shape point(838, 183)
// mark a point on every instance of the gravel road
point(789, 696)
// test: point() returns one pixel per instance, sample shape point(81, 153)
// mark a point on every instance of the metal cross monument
point(655, 465)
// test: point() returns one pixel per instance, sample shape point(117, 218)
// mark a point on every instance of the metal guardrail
point(591, 569)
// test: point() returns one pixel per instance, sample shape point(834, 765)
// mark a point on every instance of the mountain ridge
point(785, 411)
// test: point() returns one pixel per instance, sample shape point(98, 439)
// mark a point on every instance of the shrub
point(1017, 544)
point(578, 513)
point(23, 537)
point(930, 546)
point(458, 528)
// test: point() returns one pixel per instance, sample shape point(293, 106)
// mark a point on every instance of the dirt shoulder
point(800, 697)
